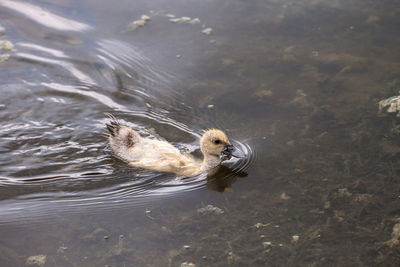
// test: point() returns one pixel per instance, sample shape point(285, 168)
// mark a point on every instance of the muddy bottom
point(295, 83)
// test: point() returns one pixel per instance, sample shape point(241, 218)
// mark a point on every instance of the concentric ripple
point(111, 184)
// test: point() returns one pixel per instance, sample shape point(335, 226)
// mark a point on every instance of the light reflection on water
point(45, 18)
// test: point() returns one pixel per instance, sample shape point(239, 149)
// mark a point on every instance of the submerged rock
point(390, 105)
point(210, 209)
point(343, 192)
point(394, 241)
point(38, 260)
point(94, 235)
point(264, 93)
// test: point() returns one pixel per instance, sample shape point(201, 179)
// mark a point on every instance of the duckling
point(161, 156)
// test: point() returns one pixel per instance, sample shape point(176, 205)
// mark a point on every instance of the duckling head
point(214, 142)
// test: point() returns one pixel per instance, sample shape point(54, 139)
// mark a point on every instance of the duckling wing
point(161, 156)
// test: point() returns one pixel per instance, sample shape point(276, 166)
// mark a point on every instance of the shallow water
point(295, 84)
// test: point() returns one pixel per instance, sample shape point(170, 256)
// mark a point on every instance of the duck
point(161, 156)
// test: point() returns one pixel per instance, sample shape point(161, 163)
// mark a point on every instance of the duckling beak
point(230, 150)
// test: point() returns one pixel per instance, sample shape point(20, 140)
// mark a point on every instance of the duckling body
point(159, 155)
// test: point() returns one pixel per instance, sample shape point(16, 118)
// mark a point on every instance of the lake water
point(295, 84)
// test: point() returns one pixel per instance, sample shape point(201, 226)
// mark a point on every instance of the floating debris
point(210, 209)
point(194, 21)
point(284, 196)
point(39, 260)
point(188, 264)
point(289, 143)
point(6, 45)
point(181, 20)
point(343, 192)
point(207, 31)
point(295, 238)
point(175, 20)
point(178, 56)
point(139, 23)
point(4, 57)
point(266, 244)
point(289, 49)
point(186, 19)
point(232, 258)
point(259, 225)
point(172, 18)
point(315, 53)
point(145, 17)
point(62, 249)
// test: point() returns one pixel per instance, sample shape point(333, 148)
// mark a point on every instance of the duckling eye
point(217, 141)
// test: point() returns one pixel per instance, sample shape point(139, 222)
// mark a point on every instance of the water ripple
point(44, 17)
point(54, 157)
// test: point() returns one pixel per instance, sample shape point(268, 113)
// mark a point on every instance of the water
point(295, 84)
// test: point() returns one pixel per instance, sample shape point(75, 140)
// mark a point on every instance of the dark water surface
point(295, 84)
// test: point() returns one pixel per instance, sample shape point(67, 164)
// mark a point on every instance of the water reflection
point(222, 179)
point(44, 17)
